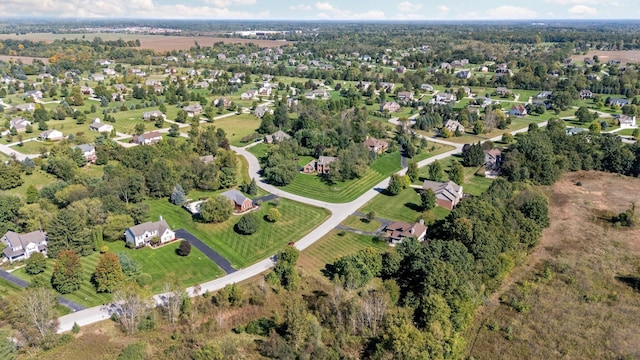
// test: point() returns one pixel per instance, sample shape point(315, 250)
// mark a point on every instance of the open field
point(403, 207)
point(333, 246)
point(155, 42)
point(362, 224)
point(625, 56)
point(237, 127)
point(242, 250)
point(23, 59)
point(576, 296)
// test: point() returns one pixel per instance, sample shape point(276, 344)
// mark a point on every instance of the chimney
point(160, 217)
point(421, 221)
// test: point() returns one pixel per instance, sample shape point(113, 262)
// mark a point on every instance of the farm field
point(580, 282)
point(625, 56)
point(242, 250)
point(159, 43)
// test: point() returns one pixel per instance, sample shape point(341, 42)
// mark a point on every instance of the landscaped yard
point(335, 245)
point(315, 187)
point(190, 270)
point(362, 224)
point(243, 250)
point(403, 207)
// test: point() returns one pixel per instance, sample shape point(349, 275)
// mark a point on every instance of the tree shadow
point(632, 281)
point(414, 207)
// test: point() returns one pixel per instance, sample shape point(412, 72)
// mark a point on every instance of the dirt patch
point(624, 56)
point(158, 43)
point(23, 59)
point(567, 300)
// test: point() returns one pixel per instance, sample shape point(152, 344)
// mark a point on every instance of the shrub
point(184, 249)
point(136, 351)
point(76, 328)
point(36, 264)
point(273, 215)
point(248, 224)
point(144, 279)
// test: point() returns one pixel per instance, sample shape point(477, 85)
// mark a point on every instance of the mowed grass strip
point(362, 224)
point(334, 245)
point(243, 250)
point(403, 207)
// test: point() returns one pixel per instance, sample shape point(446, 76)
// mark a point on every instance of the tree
point(456, 173)
point(584, 115)
point(473, 155)
point(131, 304)
point(32, 194)
point(395, 184)
point(10, 176)
point(478, 128)
point(252, 189)
point(412, 171)
point(174, 297)
point(178, 197)
point(36, 264)
point(436, 172)
point(108, 274)
point(285, 271)
point(273, 215)
point(184, 249)
point(67, 272)
point(248, 224)
point(427, 199)
point(34, 314)
point(7, 347)
point(67, 231)
point(174, 130)
point(595, 127)
point(216, 209)
point(115, 225)
point(129, 266)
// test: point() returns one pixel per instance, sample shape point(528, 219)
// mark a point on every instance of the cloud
point(409, 7)
point(330, 12)
point(443, 9)
point(325, 6)
point(591, 2)
point(300, 7)
point(226, 3)
point(511, 12)
point(582, 10)
point(369, 15)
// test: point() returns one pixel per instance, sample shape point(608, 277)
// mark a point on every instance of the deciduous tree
point(34, 314)
point(131, 303)
point(36, 264)
point(67, 273)
point(108, 274)
point(216, 209)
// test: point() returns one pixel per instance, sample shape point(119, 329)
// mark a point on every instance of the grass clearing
point(358, 223)
point(38, 179)
point(403, 207)
point(237, 127)
point(243, 250)
point(333, 246)
point(574, 296)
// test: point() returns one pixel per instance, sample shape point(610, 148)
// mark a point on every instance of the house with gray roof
point(240, 201)
point(21, 246)
point(276, 137)
point(448, 194)
point(141, 234)
point(19, 123)
point(88, 151)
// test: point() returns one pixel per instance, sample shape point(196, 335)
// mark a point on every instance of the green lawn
point(473, 184)
point(335, 245)
point(237, 127)
point(38, 179)
point(259, 150)
point(8, 289)
point(625, 132)
point(193, 269)
point(403, 207)
point(358, 223)
point(243, 250)
point(314, 187)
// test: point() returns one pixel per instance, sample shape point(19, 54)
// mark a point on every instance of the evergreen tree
point(456, 174)
point(412, 171)
point(427, 199)
point(436, 173)
point(178, 196)
point(66, 232)
point(473, 155)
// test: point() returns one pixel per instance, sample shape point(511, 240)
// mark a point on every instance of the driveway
point(13, 279)
point(69, 304)
point(223, 263)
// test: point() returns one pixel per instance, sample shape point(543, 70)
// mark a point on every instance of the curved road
point(339, 212)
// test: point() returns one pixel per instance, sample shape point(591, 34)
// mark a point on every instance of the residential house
point(618, 102)
point(518, 110)
point(574, 131)
point(448, 194)
point(390, 106)
point(249, 94)
point(19, 123)
point(544, 95)
point(627, 121)
point(152, 115)
point(426, 87)
point(276, 137)
point(98, 77)
point(445, 65)
point(201, 85)
point(302, 68)
point(585, 94)
point(193, 109)
point(120, 88)
point(109, 72)
point(502, 91)
point(30, 107)
point(206, 159)
point(401, 69)
point(21, 246)
point(148, 138)
point(34, 94)
point(240, 202)
point(261, 110)
point(88, 151)
point(98, 126)
point(141, 234)
point(453, 126)
point(397, 231)
point(444, 98)
point(51, 135)
point(463, 74)
point(320, 166)
point(318, 94)
point(376, 145)
point(405, 96)
point(86, 90)
point(492, 162)
point(387, 85)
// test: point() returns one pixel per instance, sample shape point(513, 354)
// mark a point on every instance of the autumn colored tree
point(108, 274)
point(67, 272)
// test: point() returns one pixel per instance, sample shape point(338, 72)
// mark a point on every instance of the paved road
point(13, 279)
point(70, 304)
point(223, 263)
point(339, 212)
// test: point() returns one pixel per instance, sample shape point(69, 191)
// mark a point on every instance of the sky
point(326, 9)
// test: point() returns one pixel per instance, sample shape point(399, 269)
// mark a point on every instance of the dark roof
point(236, 196)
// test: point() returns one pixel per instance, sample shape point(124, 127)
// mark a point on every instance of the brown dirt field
point(24, 59)
point(572, 305)
point(625, 57)
point(158, 43)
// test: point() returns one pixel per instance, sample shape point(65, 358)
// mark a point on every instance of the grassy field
point(242, 250)
point(576, 296)
point(333, 246)
point(193, 269)
point(402, 207)
point(358, 223)
point(259, 150)
point(38, 179)
point(314, 187)
point(237, 127)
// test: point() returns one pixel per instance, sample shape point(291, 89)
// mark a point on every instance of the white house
point(51, 135)
point(88, 151)
point(21, 246)
point(96, 125)
point(141, 235)
point(627, 121)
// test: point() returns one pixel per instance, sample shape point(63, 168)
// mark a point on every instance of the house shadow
point(414, 207)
